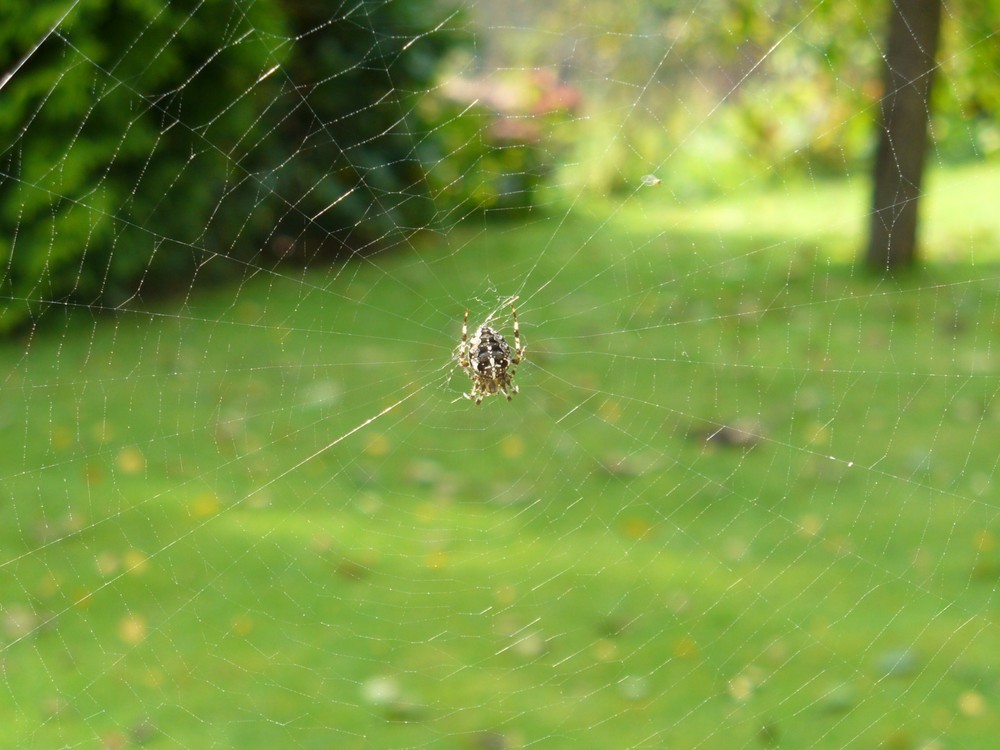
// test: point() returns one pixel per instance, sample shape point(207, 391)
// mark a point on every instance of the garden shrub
point(146, 145)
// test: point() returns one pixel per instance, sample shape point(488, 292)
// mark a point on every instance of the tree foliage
point(725, 91)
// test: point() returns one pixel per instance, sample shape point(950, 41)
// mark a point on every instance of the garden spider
point(488, 360)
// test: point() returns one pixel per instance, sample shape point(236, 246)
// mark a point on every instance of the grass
point(259, 518)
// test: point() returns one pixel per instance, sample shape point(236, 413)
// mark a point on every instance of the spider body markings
point(488, 360)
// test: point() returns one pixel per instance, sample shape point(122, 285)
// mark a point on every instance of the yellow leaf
point(92, 474)
point(242, 625)
point(48, 586)
point(610, 411)
point(810, 525)
point(102, 431)
point(153, 678)
point(685, 647)
point(204, 505)
point(436, 559)
point(136, 561)
point(132, 629)
point(505, 594)
point(107, 563)
point(377, 445)
point(61, 438)
point(984, 540)
point(818, 435)
point(605, 650)
point(740, 688)
point(130, 460)
point(512, 446)
point(972, 704)
point(637, 528)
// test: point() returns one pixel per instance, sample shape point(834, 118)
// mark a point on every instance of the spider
point(488, 360)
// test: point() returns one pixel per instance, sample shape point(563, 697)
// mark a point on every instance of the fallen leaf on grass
point(740, 434)
point(130, 460)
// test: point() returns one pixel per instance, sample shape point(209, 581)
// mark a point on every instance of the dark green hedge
point(145, 145)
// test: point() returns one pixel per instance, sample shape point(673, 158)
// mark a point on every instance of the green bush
point(351, 141)
point(145, 146)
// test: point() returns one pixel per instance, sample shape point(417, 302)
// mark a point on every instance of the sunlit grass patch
point(744, 496)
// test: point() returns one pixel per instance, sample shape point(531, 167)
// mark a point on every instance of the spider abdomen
point(492, 353)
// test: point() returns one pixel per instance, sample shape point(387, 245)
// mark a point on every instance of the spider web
point(745, 495)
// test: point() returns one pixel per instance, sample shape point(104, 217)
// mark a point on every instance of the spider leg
point(518, 346)
point(464, 359)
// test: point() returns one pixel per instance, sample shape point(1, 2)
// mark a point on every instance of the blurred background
point(746, 495)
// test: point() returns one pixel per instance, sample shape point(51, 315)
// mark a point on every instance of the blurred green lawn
point(201, 550)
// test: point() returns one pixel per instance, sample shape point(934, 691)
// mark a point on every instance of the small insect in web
point(488, 360)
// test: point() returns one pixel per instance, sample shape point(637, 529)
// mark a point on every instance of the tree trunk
point(902, 147)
